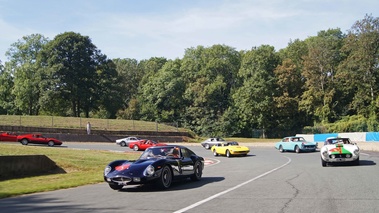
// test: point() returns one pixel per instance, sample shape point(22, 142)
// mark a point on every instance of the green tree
point(149, 67)
point(71, 64)
point(130, 76)
point(106, 101)
point(320, 65)
point(162, 96)
point(6, 96)
point(290, 84)
point(359, 72)
point(254, 99)
point(25, 69)
point(210, 74)
point(295, 51)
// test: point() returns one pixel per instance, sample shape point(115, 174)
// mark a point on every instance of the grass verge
point(81, 167)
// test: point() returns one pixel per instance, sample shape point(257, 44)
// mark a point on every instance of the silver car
point(126, 141)
point(207, 144)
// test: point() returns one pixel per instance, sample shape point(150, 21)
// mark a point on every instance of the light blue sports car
point(296, 144)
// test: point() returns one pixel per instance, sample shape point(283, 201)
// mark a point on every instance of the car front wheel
point(123, 143)
point(50, 143)
point(356, 162)
point(297, 149)
point(281, 148)
point(24, 141)
point(215, 153)
point(207, 146)
point(135, 148)
point(323, 163)
point(165, 179)
point(228, 153)
point(198, 171)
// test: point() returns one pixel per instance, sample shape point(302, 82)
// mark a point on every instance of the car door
point(39, 139)
point(145, 145)
point(286, 144)
point(186, 163)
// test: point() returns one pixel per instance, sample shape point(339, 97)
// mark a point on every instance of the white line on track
point(233, 188)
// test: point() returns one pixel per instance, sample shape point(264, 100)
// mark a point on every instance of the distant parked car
point(127, 140)
point(230, 149)
point(207, 144)
point(144, 144)
point(296, 144)
point(7, 136)
point(339, 150)
point(37, 139)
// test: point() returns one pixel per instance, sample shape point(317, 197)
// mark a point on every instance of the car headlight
point(107, 170)
point(325, 153)
point(356, 152)
point(149, 171)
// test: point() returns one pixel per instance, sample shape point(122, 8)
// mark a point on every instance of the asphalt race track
point(264, 181)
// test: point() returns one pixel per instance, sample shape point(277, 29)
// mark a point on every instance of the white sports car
point(339, 150)
point(126, 141)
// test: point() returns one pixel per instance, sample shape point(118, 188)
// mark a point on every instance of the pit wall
point(354, 136)
point(24, 165)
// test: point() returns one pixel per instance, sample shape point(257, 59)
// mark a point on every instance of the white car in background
point(127, 140)
point(339, 150)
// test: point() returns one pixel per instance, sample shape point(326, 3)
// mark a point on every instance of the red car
point(144, 144)
point(37, 139)
point(6, 136)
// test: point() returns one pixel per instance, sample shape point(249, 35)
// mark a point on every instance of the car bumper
point(239, 152)
point(308, 149)
point(124, 180)
point(338, 159)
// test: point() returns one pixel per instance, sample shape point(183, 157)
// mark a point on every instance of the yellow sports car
point(230, 149)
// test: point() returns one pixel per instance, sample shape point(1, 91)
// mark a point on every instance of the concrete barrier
point(26, 165)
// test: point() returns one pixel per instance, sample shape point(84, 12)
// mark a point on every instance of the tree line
point(324, 83)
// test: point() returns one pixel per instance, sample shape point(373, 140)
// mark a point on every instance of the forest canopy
point(324, 83)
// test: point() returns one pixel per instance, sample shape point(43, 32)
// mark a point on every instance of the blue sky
point(142, 29)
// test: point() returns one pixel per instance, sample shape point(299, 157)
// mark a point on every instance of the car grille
point(240, 152)
point(122, 180)
point(340, 156)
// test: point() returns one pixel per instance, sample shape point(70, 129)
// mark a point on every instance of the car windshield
point(298, 139)
point(338, 141)
point(161, 152)
point(232, 143)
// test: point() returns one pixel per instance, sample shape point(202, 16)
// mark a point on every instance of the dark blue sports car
point(159, 165)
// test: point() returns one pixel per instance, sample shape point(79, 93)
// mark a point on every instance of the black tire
point(115, 186)
point(323, 163)
point(297, 149)
point(207, 146)
point(165, 179)
point(356, 162)
point(227, 153)
point(215, 153)
point(24, 141)
point(281, 148)
point(198, 171)
point(122, 143)
point(135, 148)
point(51, 143)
